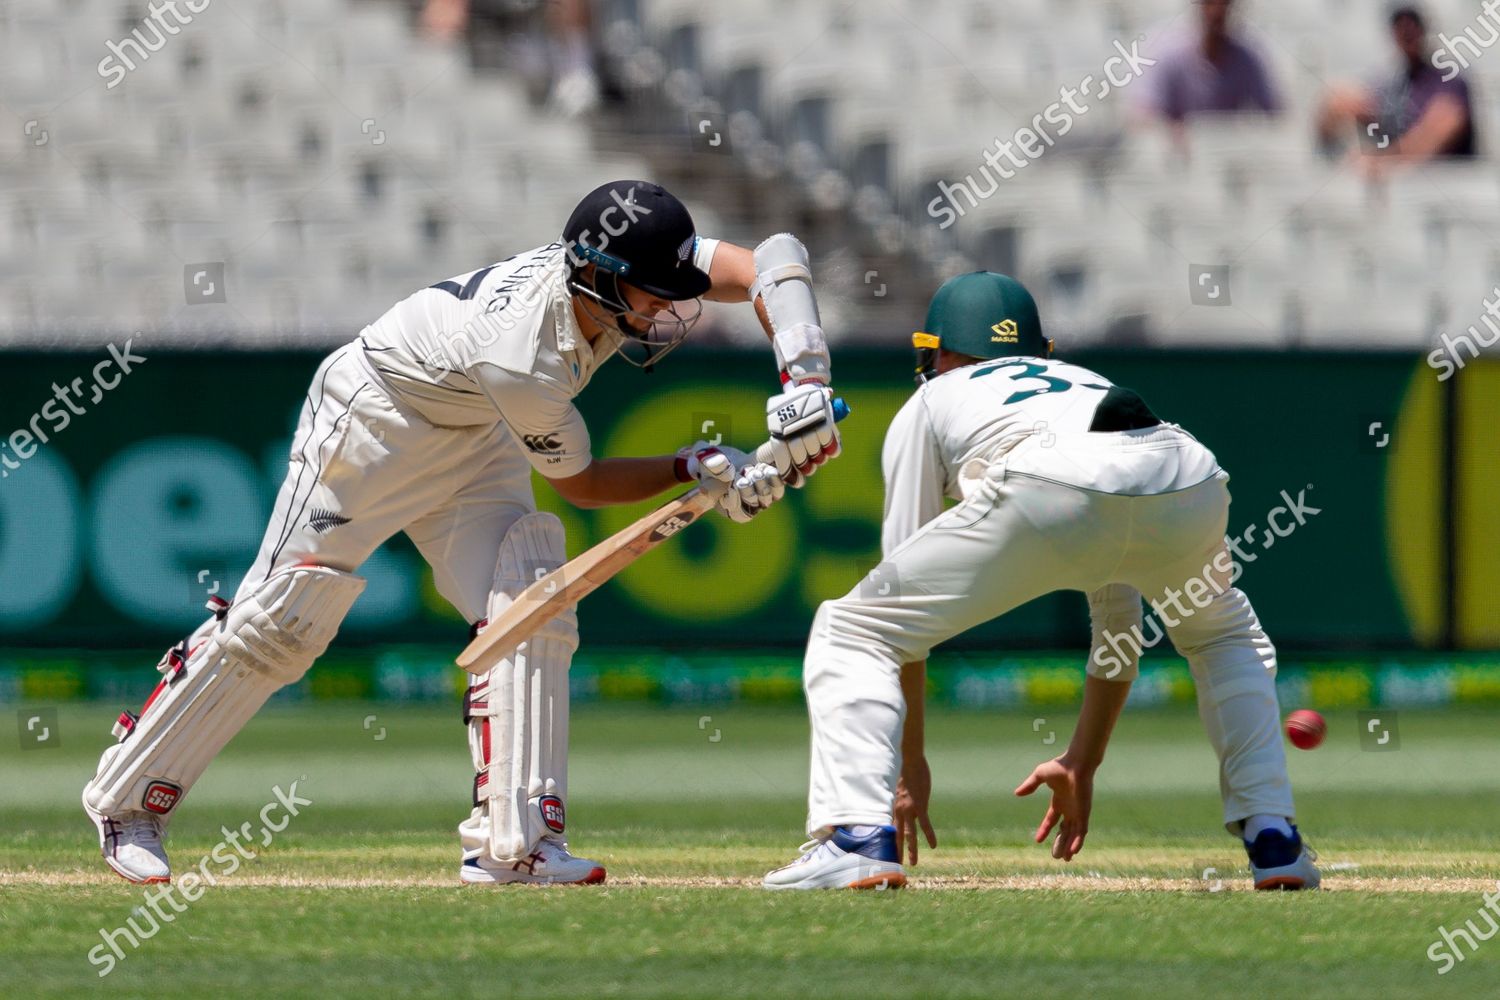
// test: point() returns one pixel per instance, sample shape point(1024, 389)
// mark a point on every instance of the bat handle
point(765, 453)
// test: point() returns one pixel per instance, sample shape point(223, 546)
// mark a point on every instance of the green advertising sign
point(116, 525)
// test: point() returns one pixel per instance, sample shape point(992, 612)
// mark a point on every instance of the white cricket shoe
point(844, 861)
point(131, 845)
point(549, 864)
point(1281, 862)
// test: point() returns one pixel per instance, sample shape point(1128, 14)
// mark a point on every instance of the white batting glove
point(804, 433)
point(718, 468)
point(759, 486)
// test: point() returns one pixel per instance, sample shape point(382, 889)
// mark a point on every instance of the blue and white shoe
point(844, 861)
point(1281, 862)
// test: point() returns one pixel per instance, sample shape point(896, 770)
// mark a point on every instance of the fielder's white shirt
point(502, 342)
point(958, 424)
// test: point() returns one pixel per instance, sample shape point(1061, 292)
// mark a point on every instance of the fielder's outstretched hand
point(1072, 798)
point(913, 791)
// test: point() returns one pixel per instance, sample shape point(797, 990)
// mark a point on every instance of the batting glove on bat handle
point(714, 466)
point(775, 452)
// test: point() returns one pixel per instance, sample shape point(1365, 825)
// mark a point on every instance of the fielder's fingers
point(927, 829)
point(1070, 840)
point(909, 834)
point(1032, 783)
point(1048, 822)
point(1077, 844)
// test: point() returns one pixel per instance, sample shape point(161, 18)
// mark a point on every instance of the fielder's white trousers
point(1028, 528)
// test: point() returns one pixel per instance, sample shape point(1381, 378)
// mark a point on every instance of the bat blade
point(576, 579)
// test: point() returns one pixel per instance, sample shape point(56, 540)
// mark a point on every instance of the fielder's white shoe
point(549, 864)
point(1281, 862)
point(131, 845)
point(844, 861)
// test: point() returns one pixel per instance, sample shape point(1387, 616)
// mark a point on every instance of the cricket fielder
point(1064, 481)
point(431, 422)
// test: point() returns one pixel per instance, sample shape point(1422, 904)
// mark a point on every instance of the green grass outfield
point(688, 807)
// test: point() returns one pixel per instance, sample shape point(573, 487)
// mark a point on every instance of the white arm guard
point(783, 282)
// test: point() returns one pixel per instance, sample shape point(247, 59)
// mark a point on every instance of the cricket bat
point(576, 579)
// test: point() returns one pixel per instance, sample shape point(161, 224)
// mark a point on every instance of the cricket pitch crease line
point(939, 883)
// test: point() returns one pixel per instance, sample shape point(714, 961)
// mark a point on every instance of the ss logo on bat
point(671, 526)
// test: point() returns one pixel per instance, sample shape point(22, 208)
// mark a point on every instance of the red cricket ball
point(1305, 728)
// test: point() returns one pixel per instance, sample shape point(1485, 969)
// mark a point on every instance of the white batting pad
point(215, 682)
point(519, 711)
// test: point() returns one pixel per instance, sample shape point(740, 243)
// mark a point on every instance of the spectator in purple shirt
point(1211, 71)
point(1412, 117)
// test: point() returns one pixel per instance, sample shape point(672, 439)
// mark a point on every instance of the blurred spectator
point(556, 47)
point(575, 86)
point(445, 19)
point(1209, 71)
point(1413, 116)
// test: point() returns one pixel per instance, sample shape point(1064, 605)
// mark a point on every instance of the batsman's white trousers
point(364, 468)
point(1027, 528)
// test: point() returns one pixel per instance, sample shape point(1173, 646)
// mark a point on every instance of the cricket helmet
point(635, 233)
point(984, 315)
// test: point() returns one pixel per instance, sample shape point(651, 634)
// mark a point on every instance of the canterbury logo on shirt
point(542, 444)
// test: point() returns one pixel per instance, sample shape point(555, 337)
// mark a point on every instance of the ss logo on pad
point(552, 812)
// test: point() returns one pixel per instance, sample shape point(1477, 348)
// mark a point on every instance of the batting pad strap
point(783, 283)
point(287, 622)
point(477, 700)
point(270, 637)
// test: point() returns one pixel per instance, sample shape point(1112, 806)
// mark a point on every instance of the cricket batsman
point(1063, 481)
point(431, 422)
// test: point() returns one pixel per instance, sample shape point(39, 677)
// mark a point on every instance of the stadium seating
point(898, 96)
point(329, 158)
point(334, 161)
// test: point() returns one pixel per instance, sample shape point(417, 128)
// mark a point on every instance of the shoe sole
point(596, 876)
point(1299, 876)
point(150, 880)
point(854, 874)
point(1286, 883)
point(890, 880)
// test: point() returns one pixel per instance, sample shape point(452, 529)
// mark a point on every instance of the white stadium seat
point(334, 159)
